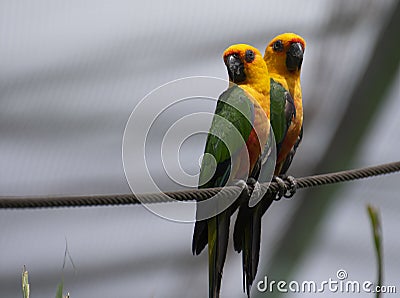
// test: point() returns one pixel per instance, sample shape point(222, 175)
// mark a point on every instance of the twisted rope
point(19, 202)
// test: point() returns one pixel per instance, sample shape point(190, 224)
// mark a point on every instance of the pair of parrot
point(263, 92)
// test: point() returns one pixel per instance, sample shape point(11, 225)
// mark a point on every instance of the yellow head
point(245, 65)
point(284, 54)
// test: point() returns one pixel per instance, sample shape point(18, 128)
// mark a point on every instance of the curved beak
point(294, 56)
point(235, 68)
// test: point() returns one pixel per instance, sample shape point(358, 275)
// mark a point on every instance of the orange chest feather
point(255, 143)
point(293, 131)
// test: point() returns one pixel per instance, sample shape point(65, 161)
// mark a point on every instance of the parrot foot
point(284, 190)
point(245, 191)
point(282, 187)
point(256, 194)
point(292, 187)
point(241, 183)
point(251, 191)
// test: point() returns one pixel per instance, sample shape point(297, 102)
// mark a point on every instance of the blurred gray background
point(71, 73)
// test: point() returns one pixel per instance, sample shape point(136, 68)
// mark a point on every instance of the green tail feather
point(247, 239)
point(251, 239)
point(218, 234)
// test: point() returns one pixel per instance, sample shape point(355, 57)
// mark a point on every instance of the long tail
point(218, 234)
point(200, 236)
point(247, 239)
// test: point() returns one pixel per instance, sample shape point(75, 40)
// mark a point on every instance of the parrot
point(245, 104)
point(284, 57)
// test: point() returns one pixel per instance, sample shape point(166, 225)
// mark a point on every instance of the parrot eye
point(278, 46)
point(249, 56)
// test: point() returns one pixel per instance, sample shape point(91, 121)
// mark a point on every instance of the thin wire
point(21, 202)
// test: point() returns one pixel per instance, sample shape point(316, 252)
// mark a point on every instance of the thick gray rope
point(20, 202)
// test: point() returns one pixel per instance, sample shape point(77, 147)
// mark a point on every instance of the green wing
point(282, 111)
point(233, 107)
point(229, 104)
point(230, 129)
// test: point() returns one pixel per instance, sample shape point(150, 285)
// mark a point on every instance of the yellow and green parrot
point(284, 57)
point(229, 158)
